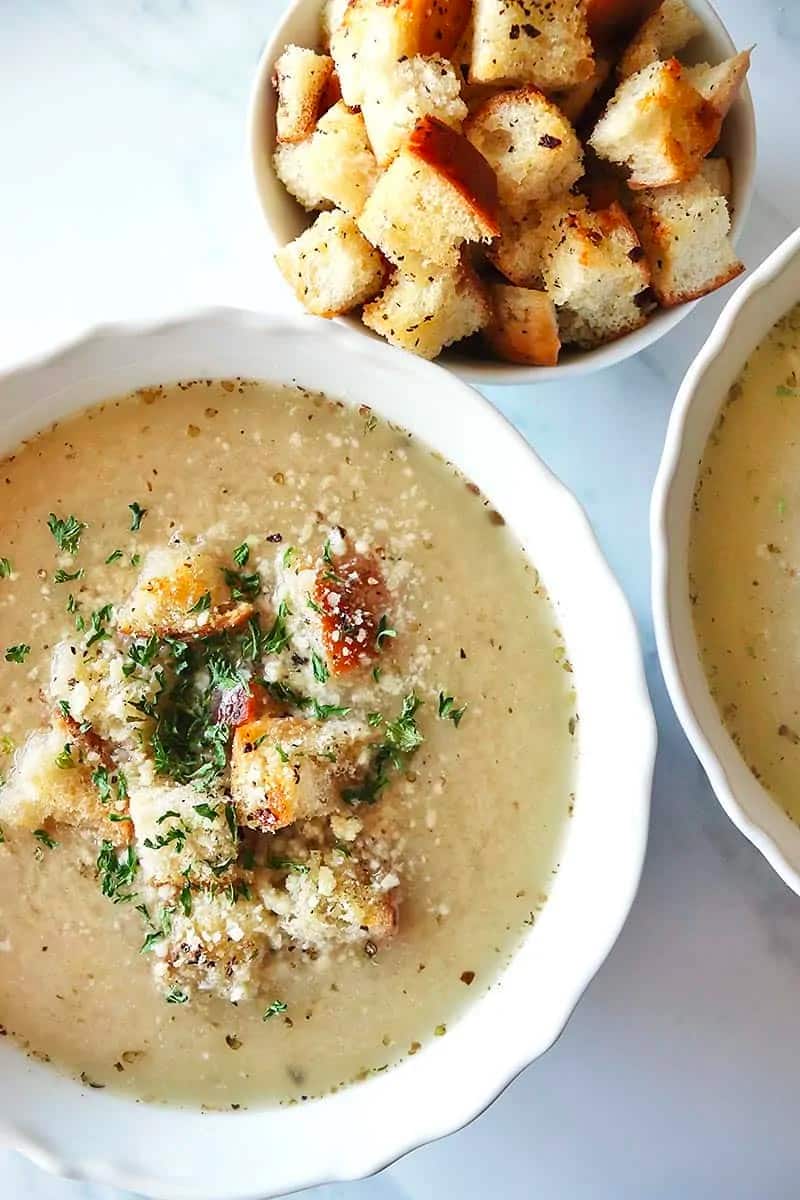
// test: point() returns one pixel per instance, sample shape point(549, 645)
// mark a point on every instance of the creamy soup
point(289, 737)
point(745, 562)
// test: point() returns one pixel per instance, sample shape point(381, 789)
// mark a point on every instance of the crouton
point(595, 270)
point(543, 42)
point(335, 166)
point(529, 144)
point(666, 31)
point(717, 172)
point(51, 784)
point(286, 769)
point(374, 35)
point(425, 315)
point(182, 835)
point(437, 193)
point(341, 903)
point(181, 593)
point(517, 253)
point(216, 947)
point(685, 233)
point(523, 328)
point(332, 17)
point(575, 101)
point(415, 88)
point(300, 80)
point(720, 85)
point(658, 125)
point(331, 267)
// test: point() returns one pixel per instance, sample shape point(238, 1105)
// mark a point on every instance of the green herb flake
point(242, 587)
point(137, 515)
point(64, 760)
point(384, 631)
point(5, 568)
point(185, 899)
point(176, 996)
point(288, 556)
point(241, 554)
point(230, 820)
point(114, 556)
point(288, 864)
point(323, 711)
point(278, 636)
point(321, 672)
point(282, 755)
point(61, 576)
point(326, 552)
point(201, 605)
point(66, 531)
point(99, 620)
point(18, 653)
point(274, 1009)
point(448, 710)
point(45, 839)
point(374, 719)
point(206, 810)
point(135, 560)
point(783, 389)
point(116, 872)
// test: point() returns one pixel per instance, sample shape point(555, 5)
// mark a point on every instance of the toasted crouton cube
point(334, 166)
point(437, 193)
point(576, 100)
point(426, 314)
point(331, 267)
point(178, 830)
point(414, 88)
point(658, 125)
point(529, 144)
point(667, 30)
point(684, 230)
point(300, 79)
point(181, 593)
point(217, 947)
point(595, 270)
point(517, 253)
point(332, 16)
point(284, 769)
point(374, 35)
point(339, 904)
point(543, 42)
point(524, 328)
point(717, 172)
point(720, 85)
point(51, 784)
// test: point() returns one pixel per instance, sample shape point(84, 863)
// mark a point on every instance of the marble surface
point(123, 192)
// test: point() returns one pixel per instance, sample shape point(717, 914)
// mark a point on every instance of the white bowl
point(747, 318)
point(285, 219)
point(175, 1153)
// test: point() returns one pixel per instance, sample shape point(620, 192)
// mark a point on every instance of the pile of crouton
point(534, 172)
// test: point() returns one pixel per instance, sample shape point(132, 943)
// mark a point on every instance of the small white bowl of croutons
point(529, 188)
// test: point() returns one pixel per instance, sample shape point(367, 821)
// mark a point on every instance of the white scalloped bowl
point(285, 219)
point(746, 319)
point(178, 1154)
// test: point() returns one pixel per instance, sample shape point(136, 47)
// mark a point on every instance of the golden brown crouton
point(414, 88)
point(517, 253)
point(334, 166)
point(529, 144)
point(300, 79)
point(685, 232)
point(658, 125)
point(543, 42)
point(339, 903)
point(331, 267)
point(524, 328)
point(717, 172)
point(182, 835)
point(437, 193)
point(181, 593)
point(720, 85)
point(424, 315)
point(595, 270)
point(285, 769)
point(667, 30)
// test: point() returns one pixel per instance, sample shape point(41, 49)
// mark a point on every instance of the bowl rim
point(43, 1148)
point(675, 451)
point(488, 372)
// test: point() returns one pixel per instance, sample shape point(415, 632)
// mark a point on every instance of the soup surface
point(745, 562)
point(288, 740)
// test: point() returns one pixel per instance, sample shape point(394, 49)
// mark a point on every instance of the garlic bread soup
point(288, 744)
point(745, 562)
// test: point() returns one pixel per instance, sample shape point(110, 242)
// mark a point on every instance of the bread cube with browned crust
point(529, 144)
point(720, 84)
point(524, 327)
point(301, 78)
point(669, 28)
point(339, 903)
point(334, 166)
point(426, 314)
point(543, 42)
point(181, 593)
point(411, 89)
point(658, 125)
point(182, 835)
point(437, 193)
point(331, 267)
point(517, 253)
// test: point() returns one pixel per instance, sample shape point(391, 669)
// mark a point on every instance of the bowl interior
point(285, 219)
point(179, 1153)
point(771, 291)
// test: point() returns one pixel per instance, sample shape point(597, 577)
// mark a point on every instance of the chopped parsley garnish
point(274, 1009)
point(201, 605)
point(141, 654)
point(158, 932)
point(117, 817)
point(243, 587)
point(326, 552)
point(230, 819)
point(114, 556)
point(64, 760)
point(376, 674)
point(384, 631)
point(288, 555)
point(323, 711)
point(206, 810)
point(241, 554)
point(321, 672)
point(135, 560)
point(175, 834)
point(18, 653)
point(99, 620)
point(312, 604)
point(783, 389)
point(166, 815)
point(72, 603)
point(374, 719)
point(282, 755)
point(401, 739)
point(5, 568)
point(176, 996)
point(2, 835)
point(185, 899)
point(285, 694)
point(116, 872)
point(43, 836)
point(137, 514)
point(62, 576)
point(448, 710)
point(67, 532)
point(278, 636)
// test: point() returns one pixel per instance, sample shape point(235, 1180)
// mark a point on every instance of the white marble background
point(123, 192)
